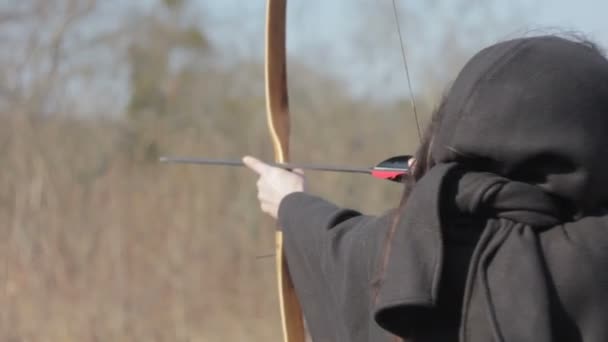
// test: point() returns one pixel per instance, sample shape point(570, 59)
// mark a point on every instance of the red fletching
point(392, 169)
point(393, 175)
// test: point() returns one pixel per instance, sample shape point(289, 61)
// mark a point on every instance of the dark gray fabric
point(521, 147)
point(332, 255)
point(504, 239)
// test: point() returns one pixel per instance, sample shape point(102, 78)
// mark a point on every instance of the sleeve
point(332, 256)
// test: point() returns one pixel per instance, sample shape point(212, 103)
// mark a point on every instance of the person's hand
point(274, 184)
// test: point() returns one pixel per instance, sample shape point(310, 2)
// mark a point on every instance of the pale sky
point(323, 32)
point(586, 15)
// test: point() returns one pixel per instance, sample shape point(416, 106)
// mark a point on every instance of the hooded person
point(502, 231)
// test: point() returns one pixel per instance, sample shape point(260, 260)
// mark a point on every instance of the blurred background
point(100, 242)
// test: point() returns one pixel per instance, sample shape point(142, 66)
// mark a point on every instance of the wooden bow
point(277, 112)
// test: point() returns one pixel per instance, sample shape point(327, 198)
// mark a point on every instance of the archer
point(502, 230)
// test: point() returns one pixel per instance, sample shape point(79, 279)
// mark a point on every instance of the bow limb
point(277, 112)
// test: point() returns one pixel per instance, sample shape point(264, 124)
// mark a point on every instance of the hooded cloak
point(504, 239)
point(522, 149)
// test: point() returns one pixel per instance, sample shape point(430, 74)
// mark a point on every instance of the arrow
point(392, 169)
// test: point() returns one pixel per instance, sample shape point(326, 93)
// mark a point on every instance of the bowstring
point(407, 70)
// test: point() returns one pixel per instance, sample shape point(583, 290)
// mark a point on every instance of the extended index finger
point(255, 164)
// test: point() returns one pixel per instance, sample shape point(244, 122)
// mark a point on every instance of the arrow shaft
point(287, 166)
